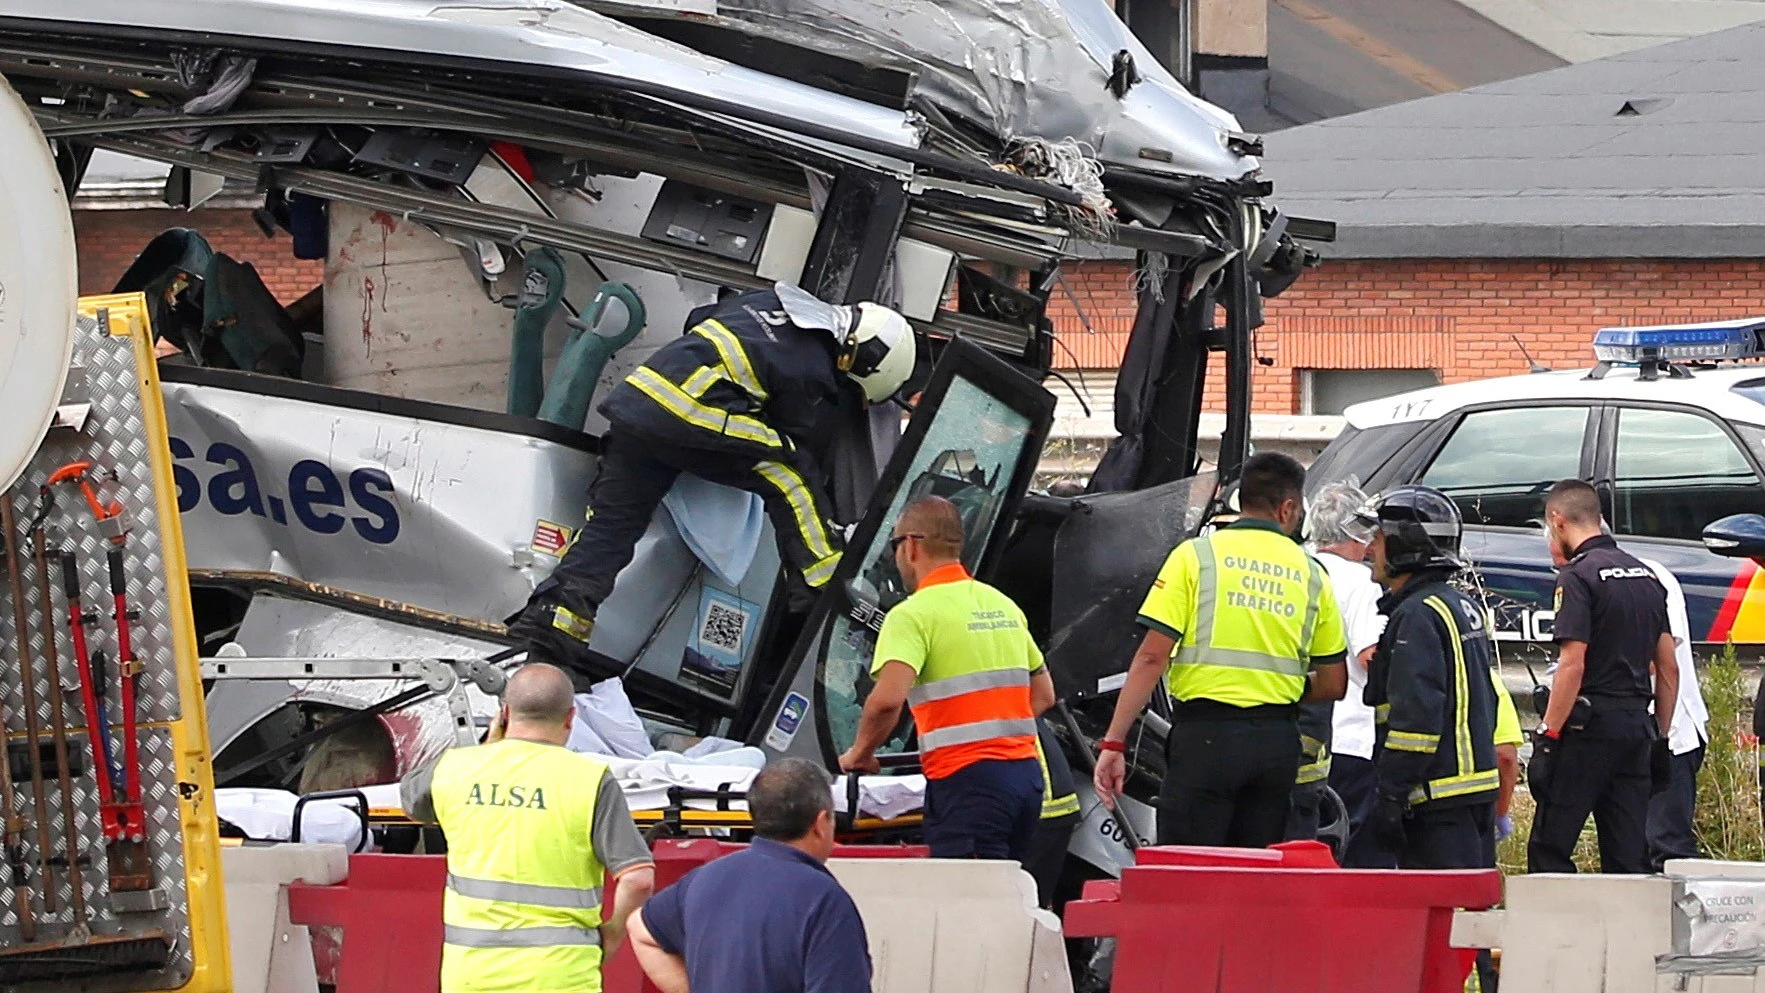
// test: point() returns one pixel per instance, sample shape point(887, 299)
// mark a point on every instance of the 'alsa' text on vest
point(498, 795)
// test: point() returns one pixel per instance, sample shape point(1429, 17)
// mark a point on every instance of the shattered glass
point(969, 456)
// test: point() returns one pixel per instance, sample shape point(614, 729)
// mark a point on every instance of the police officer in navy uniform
point(1430, 690)
point(736, 401)
point(1614, 657)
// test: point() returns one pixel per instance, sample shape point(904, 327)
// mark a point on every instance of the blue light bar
point(1680, 343)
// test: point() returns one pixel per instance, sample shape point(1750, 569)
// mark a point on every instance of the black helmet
point(1422, 528)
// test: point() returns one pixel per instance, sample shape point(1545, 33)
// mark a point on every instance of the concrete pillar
point(1232, 55)
point(1232, 28)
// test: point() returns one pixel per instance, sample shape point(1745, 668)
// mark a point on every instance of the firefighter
point(536, 834)
point(740, 400)
point(1241, 626)
point(1430, 688)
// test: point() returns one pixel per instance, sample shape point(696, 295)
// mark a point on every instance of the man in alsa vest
point(1244, 622)
point(535, 834)
point(960, 652)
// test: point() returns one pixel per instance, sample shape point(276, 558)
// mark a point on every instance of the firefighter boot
point(557, 632)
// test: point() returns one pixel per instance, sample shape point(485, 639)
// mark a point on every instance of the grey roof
point(1658, 152)
point(1579, 30)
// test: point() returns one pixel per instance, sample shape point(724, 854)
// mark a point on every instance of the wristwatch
point(1544, 731)
point(1107, 745)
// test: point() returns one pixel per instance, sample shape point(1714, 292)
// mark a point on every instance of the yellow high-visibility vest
point(1249, 610)
point(522, 909)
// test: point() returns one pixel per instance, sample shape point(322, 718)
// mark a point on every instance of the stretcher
point(685, 812)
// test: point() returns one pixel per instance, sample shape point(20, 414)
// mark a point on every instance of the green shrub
point(1728, 820)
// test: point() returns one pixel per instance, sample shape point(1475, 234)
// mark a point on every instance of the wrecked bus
point(380, 471)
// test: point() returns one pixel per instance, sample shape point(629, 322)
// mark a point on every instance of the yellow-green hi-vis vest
point(1249, 610)
point(522, 908)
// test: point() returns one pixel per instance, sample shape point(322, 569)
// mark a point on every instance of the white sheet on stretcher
point(645, 783)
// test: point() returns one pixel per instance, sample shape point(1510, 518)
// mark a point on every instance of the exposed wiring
point(1085, 319)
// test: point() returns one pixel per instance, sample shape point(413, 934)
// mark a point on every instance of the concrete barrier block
point(940, 926)
point(1478, 928)
point(1584, 933)
point(1712, 868)
point(321, 865)
point(270, 953)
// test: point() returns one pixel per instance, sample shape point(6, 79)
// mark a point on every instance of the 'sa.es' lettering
point(320, 499)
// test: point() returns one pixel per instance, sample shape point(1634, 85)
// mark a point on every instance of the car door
point(1664, 473)
point(1496, 462)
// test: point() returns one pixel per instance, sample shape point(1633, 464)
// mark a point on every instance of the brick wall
point(110, 239)
point(1456, 317)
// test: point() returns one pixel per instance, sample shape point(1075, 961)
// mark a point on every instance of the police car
point(1669, 425)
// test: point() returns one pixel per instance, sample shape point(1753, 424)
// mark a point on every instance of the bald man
point(960, 652)
point(535, 833)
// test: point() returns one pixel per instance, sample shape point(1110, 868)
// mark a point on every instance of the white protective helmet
point(879, 352)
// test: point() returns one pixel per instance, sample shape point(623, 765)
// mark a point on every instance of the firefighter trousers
point(636, 473)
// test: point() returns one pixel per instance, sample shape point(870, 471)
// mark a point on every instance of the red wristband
point(1107, 745)
point(1552, 733)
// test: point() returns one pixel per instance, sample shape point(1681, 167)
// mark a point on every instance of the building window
point(1675, 472)
point(1498, 463)
point(1331, 391)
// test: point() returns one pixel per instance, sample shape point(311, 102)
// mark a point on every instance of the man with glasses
point(960, 653)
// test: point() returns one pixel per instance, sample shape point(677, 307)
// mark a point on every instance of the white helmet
point(879, 352)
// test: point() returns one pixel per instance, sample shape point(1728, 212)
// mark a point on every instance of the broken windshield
point(970, 455)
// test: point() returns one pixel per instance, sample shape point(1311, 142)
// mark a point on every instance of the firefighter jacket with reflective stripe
point(1059, 797)
point(522, 908)
point(1432, 696)
point(1250, 612)
point(972, 651)
point(1316, 721)
point(745, 381)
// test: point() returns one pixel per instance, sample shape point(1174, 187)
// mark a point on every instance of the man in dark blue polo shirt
point(771, 919)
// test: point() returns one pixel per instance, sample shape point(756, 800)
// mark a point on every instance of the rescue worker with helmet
point(960, 652)
point(741, 399)
point(1244, 623)
point(1430, 689)
point(535, 834)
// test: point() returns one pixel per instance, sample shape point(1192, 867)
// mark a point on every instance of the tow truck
point(377, 499)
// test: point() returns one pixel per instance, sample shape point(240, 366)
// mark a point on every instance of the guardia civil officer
point(535, 835)
point(1614, 658)
point(1244, 623)
point(737, 401)
point(1429, 685)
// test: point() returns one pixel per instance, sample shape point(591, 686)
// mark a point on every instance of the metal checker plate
point(113, 438)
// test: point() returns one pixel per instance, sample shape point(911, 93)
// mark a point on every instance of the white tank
point(38, 287)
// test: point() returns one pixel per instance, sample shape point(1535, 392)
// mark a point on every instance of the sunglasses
point(895, 542)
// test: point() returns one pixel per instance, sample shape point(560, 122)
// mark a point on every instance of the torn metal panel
point(531, 36)
point(1019, 69)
